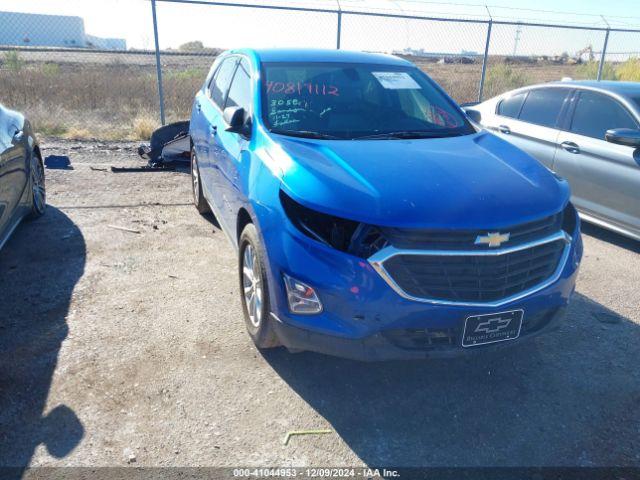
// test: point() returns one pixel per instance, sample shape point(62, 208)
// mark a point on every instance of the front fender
point(260, 190)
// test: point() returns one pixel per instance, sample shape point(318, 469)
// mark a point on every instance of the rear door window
point(543, 106)
point(510, 107)
point(596, 113)
point(220, 84)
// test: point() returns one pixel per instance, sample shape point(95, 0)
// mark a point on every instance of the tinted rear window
point(543, 106)
point(596, 113)
point(510, 107)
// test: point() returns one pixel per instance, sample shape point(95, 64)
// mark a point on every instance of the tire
point(254, 285)
point(196, 184)
point(37, 186)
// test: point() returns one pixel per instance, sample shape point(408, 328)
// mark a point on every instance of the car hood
point(468, 182)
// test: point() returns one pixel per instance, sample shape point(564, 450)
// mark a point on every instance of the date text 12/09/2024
point(316, 472)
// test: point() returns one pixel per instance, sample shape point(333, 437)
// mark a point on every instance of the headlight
point(569, 219)
point(345, 235)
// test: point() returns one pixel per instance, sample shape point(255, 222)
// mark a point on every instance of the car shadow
point(610, 237)
point(39, 267)
point(563, 399)
point(211, 218)
point(183, 167)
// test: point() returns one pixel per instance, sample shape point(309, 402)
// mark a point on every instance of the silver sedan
point(587, 132)
point(22, 187)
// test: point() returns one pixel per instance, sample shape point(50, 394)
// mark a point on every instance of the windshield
point(345, 101)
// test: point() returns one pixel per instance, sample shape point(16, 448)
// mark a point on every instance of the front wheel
point(38, 190)
point(198, 199)
point(254, 289)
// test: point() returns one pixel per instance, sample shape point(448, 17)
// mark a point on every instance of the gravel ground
point(120, 348)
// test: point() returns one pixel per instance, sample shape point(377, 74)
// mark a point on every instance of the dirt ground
point(129, 349)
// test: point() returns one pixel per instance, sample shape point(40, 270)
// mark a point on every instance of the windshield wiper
point(404, 134)
point(306, 134)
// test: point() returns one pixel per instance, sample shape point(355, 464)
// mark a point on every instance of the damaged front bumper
point(364, 318)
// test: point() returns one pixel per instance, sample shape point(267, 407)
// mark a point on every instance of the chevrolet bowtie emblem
point(493, 325)
point(494, 239)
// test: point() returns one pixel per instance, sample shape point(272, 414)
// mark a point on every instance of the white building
point(37, 30)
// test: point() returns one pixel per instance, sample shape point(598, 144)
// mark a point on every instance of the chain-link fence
point(72, 82)
point(75, 82)
point(522, 55)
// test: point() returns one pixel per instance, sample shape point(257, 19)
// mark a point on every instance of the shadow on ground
point(570, 398)
point(610, 237)
point(32, 327)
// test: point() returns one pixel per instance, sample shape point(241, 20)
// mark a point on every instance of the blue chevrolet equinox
point(372, 218)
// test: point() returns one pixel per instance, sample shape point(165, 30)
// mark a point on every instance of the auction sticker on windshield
point(396, 80)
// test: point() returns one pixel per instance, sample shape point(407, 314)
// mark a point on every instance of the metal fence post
point(604, 52)
point(158, 64)
point(485, 59)
point(339, 29)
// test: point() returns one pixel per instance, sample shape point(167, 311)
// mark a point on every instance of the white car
point(587, 132)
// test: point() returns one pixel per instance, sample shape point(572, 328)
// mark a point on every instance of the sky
point(227, 27)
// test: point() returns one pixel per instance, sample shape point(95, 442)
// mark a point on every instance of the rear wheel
point(38, 190)
point(198, 198)
point(254, 289)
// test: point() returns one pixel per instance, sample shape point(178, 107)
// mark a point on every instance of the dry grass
point(143, 127)
point(86, 101)
point(107, 99)
point(75, 133)
point(630, 70)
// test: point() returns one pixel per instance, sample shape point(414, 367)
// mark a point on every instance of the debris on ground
point(145, 168)
point(58, 162)
point(305, 432)
point(129, 455)
point(169, 144)
point(124, 229)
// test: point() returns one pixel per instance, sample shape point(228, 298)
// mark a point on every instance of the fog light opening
point(301, 297)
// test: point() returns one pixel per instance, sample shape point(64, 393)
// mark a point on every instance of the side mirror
point(236, 118)
point(623, 136)
point(474, 115)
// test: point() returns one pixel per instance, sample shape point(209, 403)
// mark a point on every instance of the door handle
point(199, 107)
point(214, 130)
point(504, 129)
point(570, 147)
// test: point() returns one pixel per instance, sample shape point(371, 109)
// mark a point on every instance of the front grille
point(464, 240)
point(474, 278)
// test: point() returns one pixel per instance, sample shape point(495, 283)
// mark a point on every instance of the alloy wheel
point(195, 178)
point(37, 185)
point(252, 285)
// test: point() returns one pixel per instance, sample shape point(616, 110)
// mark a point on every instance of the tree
point(194, 46)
